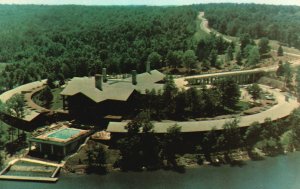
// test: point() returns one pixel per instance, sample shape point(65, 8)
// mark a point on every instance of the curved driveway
point(30, 114)
point(284, 107)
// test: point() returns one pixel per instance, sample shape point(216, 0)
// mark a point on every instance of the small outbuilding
point(60, 142)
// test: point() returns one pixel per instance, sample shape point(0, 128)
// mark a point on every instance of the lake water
point(282, 172)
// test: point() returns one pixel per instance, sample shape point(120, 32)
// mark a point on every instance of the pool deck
point(60, 141)
point(53, 177)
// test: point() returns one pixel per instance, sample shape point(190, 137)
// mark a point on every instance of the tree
point(270, 135)
point(189, 59)
point(229, 91)
point(213, 56)
point(252, 135)
point(263, 46)
point(239, 58)
point(204, 48)
point(245, 40)
point(280, 51)
point(154, 59)
point(139, 149)
point(294, 122)
point(209, 143)
point(101, 157)
point(61, 79)
point(212, 100)
point(246, 51)
point(97, 158)
point(46, 96)
point(169, 94)
point(231, 137)
point(229, 53)
point(220, 64)
point(172, 142)
point(159, 105)
point(181, 103)
point(205, 65)
point(268, 146)
point(280, 69)
point(174, 58)
point(192, 100)
point(11, 131)
point(95, 67)
point(50, 81)
point(66, 71)
point(253, 58)
point(150, 144)
point(15, 106)
point(288, 74)
point(270, 129)
point(90, 158)
point(255, 91)
point(130, 147)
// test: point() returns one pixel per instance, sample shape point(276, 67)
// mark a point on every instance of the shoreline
point(236, 162)
point(187, 167)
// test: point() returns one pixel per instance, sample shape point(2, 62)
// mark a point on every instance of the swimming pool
point(64, 133)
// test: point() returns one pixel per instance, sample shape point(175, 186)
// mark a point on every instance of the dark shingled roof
point(113, 89)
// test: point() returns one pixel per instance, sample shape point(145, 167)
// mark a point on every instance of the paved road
point(30, 114)
point(284, 107)
point(204, 27)
point(181, 82)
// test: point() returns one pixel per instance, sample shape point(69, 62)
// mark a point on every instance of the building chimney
point(98, 81)
point(104, 75)
point(148, 69)
point(134, 80)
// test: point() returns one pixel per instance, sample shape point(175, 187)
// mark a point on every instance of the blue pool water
point(64, 133)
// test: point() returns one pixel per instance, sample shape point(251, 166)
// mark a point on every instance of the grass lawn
point(200, 34)
point(242, 105)
point(57, 99)
point(56, 102)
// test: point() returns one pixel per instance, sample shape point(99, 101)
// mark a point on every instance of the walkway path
point(30, 114)
point(23, 88)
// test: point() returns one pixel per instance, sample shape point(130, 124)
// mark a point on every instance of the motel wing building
point(98, 98)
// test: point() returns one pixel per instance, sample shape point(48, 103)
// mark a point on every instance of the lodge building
point(101, 98)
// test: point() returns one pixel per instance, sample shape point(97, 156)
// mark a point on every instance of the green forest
point(60, 42)
point(280, 23)
point(78, 40)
